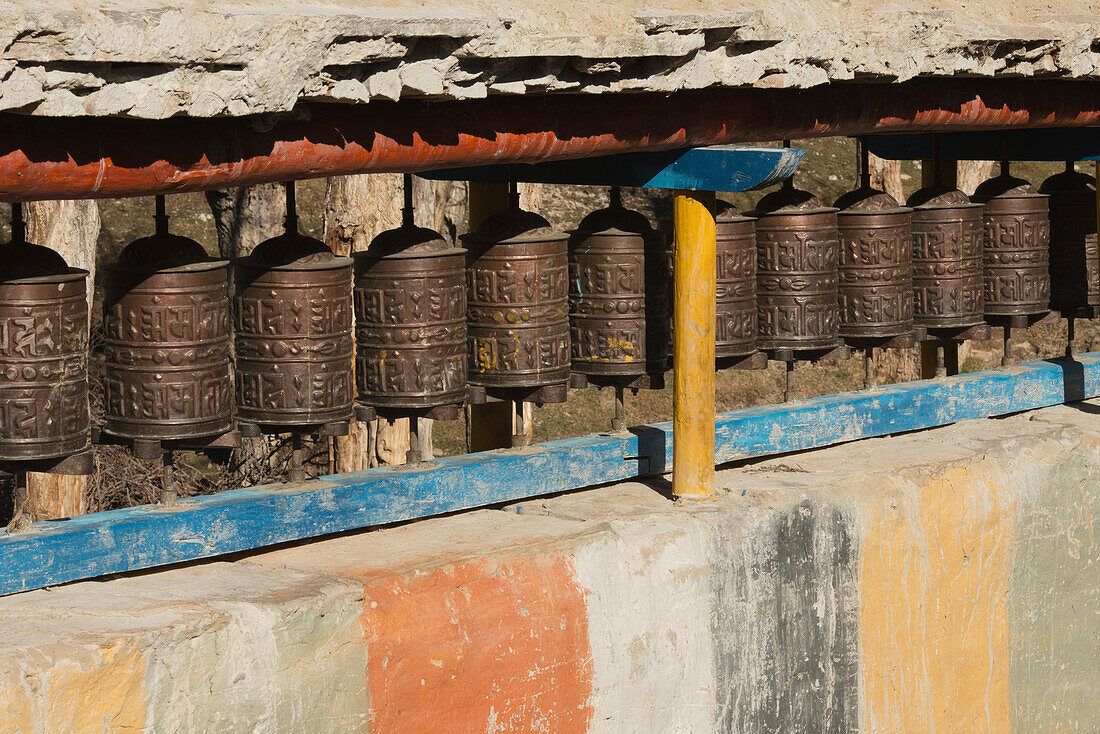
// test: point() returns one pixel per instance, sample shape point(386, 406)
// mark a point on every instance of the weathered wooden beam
point(84, 547)
point(1068, 144)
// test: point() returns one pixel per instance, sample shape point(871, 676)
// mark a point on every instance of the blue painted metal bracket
point(714, 168)
point(1055, 144)
point(137, 538)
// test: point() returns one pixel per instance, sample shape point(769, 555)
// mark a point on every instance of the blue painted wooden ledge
point(56, 552)
point(712, 168)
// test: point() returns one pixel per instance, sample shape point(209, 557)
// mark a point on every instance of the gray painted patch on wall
point(785, 622)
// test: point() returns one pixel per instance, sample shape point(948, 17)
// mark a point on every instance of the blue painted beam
point(1054, 144)
point(85, 547)
point(714, 168)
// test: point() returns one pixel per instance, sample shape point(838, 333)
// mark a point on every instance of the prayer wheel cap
point(1004, 186)
point(514, 226)
point(939, 197)
point(294, 251)
point(165, 251)
point(409, 241)
point(726, 212)
point(25, 260)
point(789, 200)
point(617, 218)
point(870, 201)
point(1068, 182)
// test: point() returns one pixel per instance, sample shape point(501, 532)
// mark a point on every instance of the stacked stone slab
point(143, 59)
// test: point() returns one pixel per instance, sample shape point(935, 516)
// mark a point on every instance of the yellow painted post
point(694, 303)
point(488, 426)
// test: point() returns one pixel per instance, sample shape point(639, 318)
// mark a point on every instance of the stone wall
point(152, 59)
point(947, 580)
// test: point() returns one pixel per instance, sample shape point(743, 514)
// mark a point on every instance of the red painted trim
point(50, 158)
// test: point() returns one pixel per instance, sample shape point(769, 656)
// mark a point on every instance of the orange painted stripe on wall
point(474, 648)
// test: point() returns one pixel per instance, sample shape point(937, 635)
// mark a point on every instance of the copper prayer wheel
point(797, 255)
point(1016, 247)
point(1074, 271)
point(618, 297)
point(294, 343)
point(735, 265)
point(735, 248)
point(43, 355)
point(410, 305)
point(517, 302)
point(876, 271)
point(947, 259)
point(167, 341)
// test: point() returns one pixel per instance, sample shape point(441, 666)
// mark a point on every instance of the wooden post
point(71, 228)
point(694, 305)
point(245, 217)
point(886, 175)
point(490, 425)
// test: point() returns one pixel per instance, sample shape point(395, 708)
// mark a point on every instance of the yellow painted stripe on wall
point(934, 573)
point(106, 696)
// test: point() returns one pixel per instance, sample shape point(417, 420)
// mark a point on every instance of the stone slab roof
point(204, 58)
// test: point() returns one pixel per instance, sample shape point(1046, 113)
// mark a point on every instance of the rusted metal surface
point(410, 306)
point(947, 259)
point(736, 264)
point(517, 300)
point(1074, 270)
point(797, 255)
point(167, 340)
point(294, 342)
point(43, 355)
point(618, 295)
point(876, 270)
point(1016, 247)
point(89, 158)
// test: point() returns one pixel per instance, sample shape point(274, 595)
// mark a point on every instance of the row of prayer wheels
point(868, 269)
point(417, 326)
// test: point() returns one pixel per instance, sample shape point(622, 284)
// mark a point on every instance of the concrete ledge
point(221, 647)
point(947, 580)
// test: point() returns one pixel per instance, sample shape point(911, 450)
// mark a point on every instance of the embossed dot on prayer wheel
point(618, 295)
point(947, 259)
point(43, 355)
point(1074, 270)
point(517, 302)
point(797, 254)
point(410, 305)
point(167, 346)
point(1016, 247)
point(875, 268)
point(294, 343)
